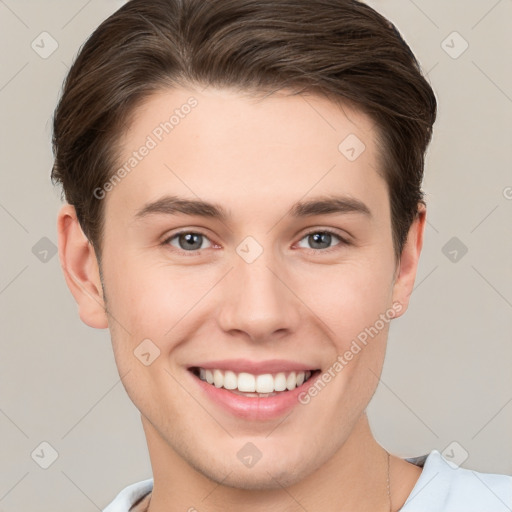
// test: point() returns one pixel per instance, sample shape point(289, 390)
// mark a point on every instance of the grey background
point(447, 373)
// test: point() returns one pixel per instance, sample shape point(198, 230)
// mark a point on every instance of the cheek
point(347, 297)
point(153, 310)
point(150, 298)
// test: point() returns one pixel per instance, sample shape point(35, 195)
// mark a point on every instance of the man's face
point(256, 286)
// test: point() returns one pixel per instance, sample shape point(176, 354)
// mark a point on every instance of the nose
point(258, 301)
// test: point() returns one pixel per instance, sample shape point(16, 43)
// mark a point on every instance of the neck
point(354, 478)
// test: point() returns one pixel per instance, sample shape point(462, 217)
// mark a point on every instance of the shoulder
point(442, 487)
point(129, 496)
point(445, 487)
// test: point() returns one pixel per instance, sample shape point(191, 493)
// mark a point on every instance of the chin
point(264, 479)
point(264, 475)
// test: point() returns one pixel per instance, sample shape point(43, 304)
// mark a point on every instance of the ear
point(81, 271)
point(408, 265)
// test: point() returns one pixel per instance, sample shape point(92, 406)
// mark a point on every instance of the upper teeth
point(247, 382)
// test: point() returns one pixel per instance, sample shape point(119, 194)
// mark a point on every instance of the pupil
point(317, 238)
point(189, 239)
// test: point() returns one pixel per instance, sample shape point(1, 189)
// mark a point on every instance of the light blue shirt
point(441, 487)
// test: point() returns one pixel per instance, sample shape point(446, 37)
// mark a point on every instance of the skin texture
point(255, 157)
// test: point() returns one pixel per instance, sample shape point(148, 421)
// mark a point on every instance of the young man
point(245, 215)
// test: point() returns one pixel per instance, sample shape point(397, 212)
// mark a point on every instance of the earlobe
point(80, 267)
point(409, 259)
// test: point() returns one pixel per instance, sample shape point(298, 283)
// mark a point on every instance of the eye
point(321, 240)
point(191, 242)
point(188, 241)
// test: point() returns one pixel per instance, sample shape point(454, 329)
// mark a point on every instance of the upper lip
point(255, 367)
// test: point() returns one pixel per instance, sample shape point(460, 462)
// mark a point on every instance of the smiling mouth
point(254, 385)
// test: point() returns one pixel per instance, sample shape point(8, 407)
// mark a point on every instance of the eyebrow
point(173, 205)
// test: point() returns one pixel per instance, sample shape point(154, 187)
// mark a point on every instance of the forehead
point(246, 149)
point(229, 116)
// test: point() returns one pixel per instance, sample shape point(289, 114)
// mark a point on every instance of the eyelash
point(343, 242)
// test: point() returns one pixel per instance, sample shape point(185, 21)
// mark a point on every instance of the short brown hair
point(340, 48)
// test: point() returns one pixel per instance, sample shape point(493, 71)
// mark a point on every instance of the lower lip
point(255, 408)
